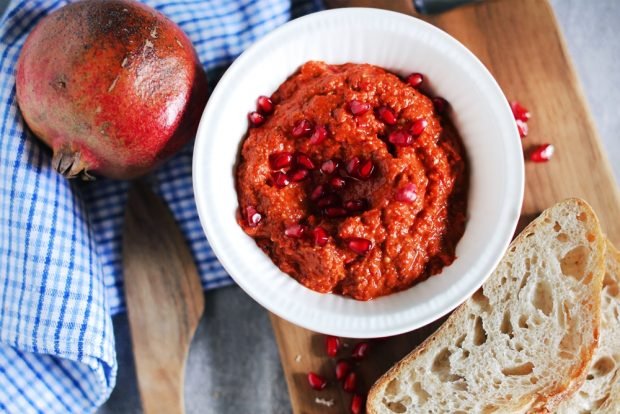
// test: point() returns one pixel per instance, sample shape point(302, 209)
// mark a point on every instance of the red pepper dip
point(352, 181)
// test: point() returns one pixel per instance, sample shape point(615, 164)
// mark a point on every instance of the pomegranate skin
point(112, 86)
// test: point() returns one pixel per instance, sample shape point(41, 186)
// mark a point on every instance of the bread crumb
point(297, 358)
point(323, 401)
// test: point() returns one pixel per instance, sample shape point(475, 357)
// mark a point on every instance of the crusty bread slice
point(600, 393)
point(524, 341)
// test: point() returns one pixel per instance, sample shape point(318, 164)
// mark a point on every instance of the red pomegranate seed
point(356, 205)
point(359, 245)
point(440, 104)
point(358, 108)
point(319, 134)
point(256, 119)
point(279, 160)
point(352, 165)
point(302, 128)
point(407, 193)
point(252, 216)
point(542, 153)
point(387, 115)
point(320, 239)
point(360, 350)
point(357, 404)
point(316, 381)
point(365, 169)
point(304, 161)
point(418, 127)
point(400, 138)
point(519, 111)
point(280, 179)
point(329, 166)
point(335, 212)
point(350, 382)
point(264, 105)
point(337, 182)
point(332, 345)
point(295, 231)
point(298, 175)
point(415, 80)
point(342, 369)
point(328, 200)
point(522, 128)
point(317, 193)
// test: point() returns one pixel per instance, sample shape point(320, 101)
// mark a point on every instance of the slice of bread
point(524, 341)
point(600, 393)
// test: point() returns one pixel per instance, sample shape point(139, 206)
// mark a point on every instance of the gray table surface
point(233, 365)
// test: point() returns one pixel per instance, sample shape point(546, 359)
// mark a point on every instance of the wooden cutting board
point(521, 44)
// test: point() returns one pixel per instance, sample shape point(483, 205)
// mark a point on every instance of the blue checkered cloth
point(60, 241)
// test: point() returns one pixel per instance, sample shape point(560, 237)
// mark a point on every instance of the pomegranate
point(113, 87)
point(316, 381)
point(350, 382)
point(342, 369)
point(332, 345)
point(415, 80)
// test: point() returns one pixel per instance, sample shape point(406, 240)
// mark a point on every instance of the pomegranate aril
point(303, 160)
point(316, 381)
point(280, 179)
point(317, 193)
point(350, 382)
point(519, 111)
point(440, 104)
point(320, 238)
point(328, 200)
point(298, 175)
point(356, 205)
point(359, 245)
point(418, 127)
point(264, 105)
point(252, 216)
point(358, 108)
point(335, 212)
point(360, 350)
point(365, 169)
point(256, 119)
point(400, 138)
point(357, 404)
point(302, 128)
point(387, 115)
point(332, 345)
point(329, 166)
point(295, 231)
point(337, 182)
point(352, 165)
point(279, 160)
point(522, 128)
point(407, 193)
point(542, 153)
point(342, 369)
point(415, 80)
point(319, 135)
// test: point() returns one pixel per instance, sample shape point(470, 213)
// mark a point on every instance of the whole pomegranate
point(112, 86)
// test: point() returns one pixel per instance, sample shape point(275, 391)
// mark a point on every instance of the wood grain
point(165, 300)
point(520, 42)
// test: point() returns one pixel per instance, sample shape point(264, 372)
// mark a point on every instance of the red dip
point(354, 182)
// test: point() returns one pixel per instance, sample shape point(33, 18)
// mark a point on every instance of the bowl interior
point(402, 45)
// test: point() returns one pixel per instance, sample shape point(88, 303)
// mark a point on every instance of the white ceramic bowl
point(401, 44)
